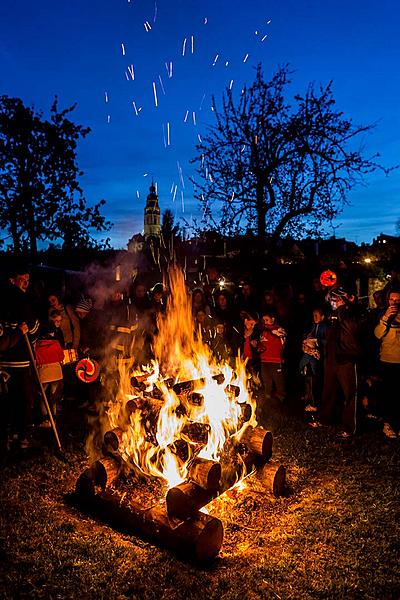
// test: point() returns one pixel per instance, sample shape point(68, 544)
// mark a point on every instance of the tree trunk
point(261, 215)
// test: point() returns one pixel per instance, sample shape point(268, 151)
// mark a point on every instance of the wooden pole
point(46, 403)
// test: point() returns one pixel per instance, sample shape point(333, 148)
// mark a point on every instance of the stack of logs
point(177, 520)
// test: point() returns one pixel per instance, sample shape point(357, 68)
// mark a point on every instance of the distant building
point(152, 226)
point(135, 244)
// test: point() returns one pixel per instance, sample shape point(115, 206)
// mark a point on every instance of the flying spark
point(205, 21)
point(108, 118)
point(186, 116)
point(106, 96)
point(194, 117)
point(215, 59)
point(155, 11)
point(131, 71)
point(202, 100)
point(168, 135)
point(245, 58)
point(168, 67)
point(182, 201)
point(161, 84)
point(199, 138)
point(264, 38)
point(135, 108)
point(123, 49)
point(231, 84)
point(174, 195)
point(155, 94)
point(192, 43)
point(184, 47)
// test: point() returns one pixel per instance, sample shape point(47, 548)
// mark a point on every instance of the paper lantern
point(328, 278)
point(87, 370)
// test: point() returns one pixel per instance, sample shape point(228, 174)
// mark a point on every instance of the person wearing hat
point(342, 351)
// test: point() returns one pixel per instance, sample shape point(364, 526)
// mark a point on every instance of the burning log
point(113, 438)
point(205, 473)
point(199, 537)
point(247, 411)
point(259, 443)
point(233, 389)
point(219, 378)
point(273, 478)
point(188, 386)
point(196, 433)
point(184, 500)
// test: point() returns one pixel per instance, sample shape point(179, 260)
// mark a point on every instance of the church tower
point(152, 215)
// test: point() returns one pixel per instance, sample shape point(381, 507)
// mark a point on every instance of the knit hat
point(84, 305)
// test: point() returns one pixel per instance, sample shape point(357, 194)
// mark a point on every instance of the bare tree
point(278, 169)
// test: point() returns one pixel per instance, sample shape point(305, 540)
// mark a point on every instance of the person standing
point(387, 332)
point(342, 351)
point(17, 308)
point(270, 349)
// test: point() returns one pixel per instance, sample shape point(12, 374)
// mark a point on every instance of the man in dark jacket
point(17, 308)
point(342, 350)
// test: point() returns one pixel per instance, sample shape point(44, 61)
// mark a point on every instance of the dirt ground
point(334, 535)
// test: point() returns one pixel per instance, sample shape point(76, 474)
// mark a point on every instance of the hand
point(24, 328)
point(391, 311)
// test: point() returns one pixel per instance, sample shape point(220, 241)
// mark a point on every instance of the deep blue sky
point(73, 49)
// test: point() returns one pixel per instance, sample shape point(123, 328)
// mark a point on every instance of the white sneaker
point(388, 431)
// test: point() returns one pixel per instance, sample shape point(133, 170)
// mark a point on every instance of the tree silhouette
point(40, 195)
point(277, 169)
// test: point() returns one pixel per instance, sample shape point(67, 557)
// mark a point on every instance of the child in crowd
point(49, 357)
point(312, 361)
point(270, 349)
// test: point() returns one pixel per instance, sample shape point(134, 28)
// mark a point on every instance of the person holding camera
point(388, 333)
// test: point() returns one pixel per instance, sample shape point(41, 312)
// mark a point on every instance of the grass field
point(335, 534)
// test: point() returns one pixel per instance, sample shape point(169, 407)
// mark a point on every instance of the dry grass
point(336, 534)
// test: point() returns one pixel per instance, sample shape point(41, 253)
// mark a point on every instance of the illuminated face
point(57, 321)
point(21, 281)
point(249, 323)
point(222, 301)
point(318, 316)
point(268, 320)
point(394, 299)
point(53, 300)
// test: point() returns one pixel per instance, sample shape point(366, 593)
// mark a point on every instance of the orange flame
point(180, 356)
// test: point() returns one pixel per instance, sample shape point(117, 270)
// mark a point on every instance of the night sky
point(88, 52)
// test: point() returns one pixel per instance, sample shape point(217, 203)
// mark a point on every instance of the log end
point(85, 484)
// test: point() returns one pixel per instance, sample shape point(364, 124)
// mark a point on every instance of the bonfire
point(182, 429)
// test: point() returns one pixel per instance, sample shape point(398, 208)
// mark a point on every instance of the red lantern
point(328, 278)
point(87, 370)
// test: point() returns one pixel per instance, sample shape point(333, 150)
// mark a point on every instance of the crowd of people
point(318, 347)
